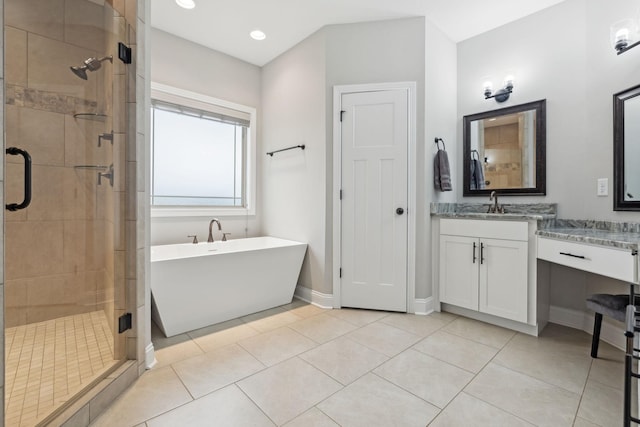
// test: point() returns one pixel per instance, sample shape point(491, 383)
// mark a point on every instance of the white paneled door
point(375, 136)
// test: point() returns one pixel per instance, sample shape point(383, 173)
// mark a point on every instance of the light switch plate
point(603, 187)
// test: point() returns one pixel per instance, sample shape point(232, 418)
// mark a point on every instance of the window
point(203, 155)
point(197, 157)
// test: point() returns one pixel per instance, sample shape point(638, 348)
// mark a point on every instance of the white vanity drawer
point(493, 229)
point(617, 263)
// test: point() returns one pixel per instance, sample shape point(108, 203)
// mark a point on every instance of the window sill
point(177, 212)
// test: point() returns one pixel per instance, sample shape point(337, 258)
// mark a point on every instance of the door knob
point(399, 211)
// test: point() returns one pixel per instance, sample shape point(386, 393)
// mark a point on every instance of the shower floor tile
point(48, 362)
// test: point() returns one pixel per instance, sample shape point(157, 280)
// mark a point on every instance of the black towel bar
point(271, 153)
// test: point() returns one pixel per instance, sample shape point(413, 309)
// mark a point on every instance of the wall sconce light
point(501, 95)
point(625, 35)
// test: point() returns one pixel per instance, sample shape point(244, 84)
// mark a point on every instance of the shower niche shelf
point(91, 167)
point(99, 117)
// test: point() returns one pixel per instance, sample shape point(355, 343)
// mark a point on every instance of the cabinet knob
point(399, 211)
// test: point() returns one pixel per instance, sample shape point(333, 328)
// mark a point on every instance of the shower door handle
point(27, 179)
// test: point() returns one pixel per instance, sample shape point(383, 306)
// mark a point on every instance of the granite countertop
point(622, 235)
point(614, 234)
point(532, 211)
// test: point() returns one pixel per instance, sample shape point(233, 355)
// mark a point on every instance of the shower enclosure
point(65, 115)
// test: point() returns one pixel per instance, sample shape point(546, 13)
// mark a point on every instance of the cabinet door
point(503, 278)
point(459, 271)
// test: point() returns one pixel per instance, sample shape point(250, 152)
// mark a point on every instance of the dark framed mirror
point(505, 151)
point(626, 150)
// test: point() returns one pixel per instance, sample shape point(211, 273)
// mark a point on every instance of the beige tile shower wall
point(129, 242)
point(117, 306)
point(107, 196)
point(58, 263)
point(134, 161)
point(139, 133)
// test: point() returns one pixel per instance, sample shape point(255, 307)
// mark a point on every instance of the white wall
point(441, 107)
point(440, 121)
point(293, 183)
point(297, 104)
point(186, 65)
point(562, 54)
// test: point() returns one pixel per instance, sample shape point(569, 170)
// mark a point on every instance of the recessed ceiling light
point(187, 4)
point(257, 35)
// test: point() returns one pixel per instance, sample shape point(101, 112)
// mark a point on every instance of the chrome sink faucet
point(216, 220)
point(496, 208)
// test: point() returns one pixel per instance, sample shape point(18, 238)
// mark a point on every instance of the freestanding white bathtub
point(199, 285)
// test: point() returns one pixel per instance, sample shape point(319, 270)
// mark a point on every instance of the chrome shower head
point(80, 72)
point(91, 64)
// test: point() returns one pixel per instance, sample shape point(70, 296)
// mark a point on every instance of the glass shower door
point(65, 105)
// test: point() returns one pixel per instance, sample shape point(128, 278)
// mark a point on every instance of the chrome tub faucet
point(217, 221)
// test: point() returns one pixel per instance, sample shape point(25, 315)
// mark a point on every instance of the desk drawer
point(611, 262)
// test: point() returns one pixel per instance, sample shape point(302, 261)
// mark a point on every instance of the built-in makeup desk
point(604, 248)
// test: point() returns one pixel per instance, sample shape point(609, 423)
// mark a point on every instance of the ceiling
point(224, 25)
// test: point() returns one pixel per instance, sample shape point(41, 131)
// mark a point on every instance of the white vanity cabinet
point(484, 267)
point(503, 279)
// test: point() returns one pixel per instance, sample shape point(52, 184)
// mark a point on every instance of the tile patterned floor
point(47, 362)
point(300, 366)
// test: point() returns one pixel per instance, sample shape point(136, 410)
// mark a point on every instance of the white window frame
point(187, 98)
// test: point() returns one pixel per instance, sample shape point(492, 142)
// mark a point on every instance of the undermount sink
point(492, 214)
point(492, 209)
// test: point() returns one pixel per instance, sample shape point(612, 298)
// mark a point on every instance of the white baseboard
point(570, 318)
point(423, 306)
point(610, 333)
point(149, 356)
point(494, 320)
point(314, 297)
